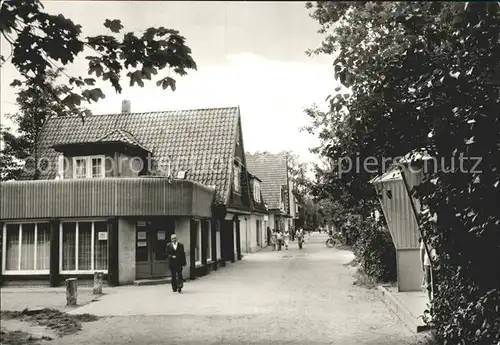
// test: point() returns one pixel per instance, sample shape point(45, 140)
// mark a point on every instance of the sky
point(250, 54)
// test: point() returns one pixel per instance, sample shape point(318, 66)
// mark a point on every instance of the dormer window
point(256, 190)
point(88, 167)
point(236, 179)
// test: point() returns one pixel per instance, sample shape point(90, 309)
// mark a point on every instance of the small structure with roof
point(394, 189)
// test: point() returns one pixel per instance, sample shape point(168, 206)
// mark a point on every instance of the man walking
point(176, 262)
point(300, 237)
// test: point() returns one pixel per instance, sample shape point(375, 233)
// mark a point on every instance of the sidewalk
point(408, 306)
point(19, 298)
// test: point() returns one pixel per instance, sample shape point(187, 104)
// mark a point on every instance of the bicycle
point(331, 242)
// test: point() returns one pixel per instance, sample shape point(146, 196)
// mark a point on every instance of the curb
point(398, 308)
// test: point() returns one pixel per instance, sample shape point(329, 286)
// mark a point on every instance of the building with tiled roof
point(277, 187)
point(111, 189)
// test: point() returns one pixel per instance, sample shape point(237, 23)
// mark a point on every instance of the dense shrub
point(375, 251)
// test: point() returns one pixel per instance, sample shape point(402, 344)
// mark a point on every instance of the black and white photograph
point(249, 172)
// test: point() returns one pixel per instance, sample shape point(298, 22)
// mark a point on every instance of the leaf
point(114, 25)
point(89, 81)
point(73, 99)
point(16, 83)
point(166, 82)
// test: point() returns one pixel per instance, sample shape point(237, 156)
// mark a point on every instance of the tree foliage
point(423, 75)
point(41, 42)
point(35, 106)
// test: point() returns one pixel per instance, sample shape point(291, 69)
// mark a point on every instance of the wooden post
point(113, 258)
point(54, 253)
point(238, 240)
point(214, 243)
point(192, 248)
point(71, 291)
point(98, 279)
point(204, 243)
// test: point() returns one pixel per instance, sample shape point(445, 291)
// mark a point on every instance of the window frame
point(209, 241)
point(237, 178)
point(4, 249)
point(88, 166)
point(92, 247)
point(197, 250)
point(256, 190)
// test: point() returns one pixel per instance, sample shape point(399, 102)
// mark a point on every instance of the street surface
point(283, 297)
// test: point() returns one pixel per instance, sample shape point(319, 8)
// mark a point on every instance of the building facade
point(113, 188)
point(276, 188)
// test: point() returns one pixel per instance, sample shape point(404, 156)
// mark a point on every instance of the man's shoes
point(174, 290)
point(180, 290)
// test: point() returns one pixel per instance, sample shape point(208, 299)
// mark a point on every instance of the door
point(151, 247)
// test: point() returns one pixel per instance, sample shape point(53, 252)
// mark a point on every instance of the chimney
point(125, 106)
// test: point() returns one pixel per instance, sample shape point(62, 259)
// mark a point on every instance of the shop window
point(27, 248)
point(84, 246)
point(197, 256)
point(209, 241)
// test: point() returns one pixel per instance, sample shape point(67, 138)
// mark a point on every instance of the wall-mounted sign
point(102, 236)
point(141, 235)
point(141, 223)
point(161, 235)
point(142, 244)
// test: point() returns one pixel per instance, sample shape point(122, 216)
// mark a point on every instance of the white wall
point(126, 251)
point(182, 226)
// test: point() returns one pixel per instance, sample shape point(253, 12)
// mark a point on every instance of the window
point(209, 241)
point(257, 232)
point(197, 254)
point(88, 167)
point(256, 190)
point(237, 176)
point(27, 248)
point(217, 240)
point(84, 246)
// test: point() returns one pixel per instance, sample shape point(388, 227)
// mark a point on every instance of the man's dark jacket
point(180, 256)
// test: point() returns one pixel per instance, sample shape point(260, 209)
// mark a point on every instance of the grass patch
point(60, 322)
point(19, 338)
point(362, 279)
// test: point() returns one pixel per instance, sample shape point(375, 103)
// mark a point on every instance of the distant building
point(277, 188)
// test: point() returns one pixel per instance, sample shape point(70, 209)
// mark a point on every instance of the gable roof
point(115, 136)
point(120, 136)
point(200, 141)
point(273, 172)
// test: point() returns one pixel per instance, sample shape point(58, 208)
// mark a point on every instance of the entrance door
point(151, 246)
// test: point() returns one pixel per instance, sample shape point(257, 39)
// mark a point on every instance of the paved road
point(286, 297)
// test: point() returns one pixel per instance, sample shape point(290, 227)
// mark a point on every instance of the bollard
point(71, 291)
point(98, 278)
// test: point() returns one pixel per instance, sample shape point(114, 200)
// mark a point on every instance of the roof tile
point(200, 141)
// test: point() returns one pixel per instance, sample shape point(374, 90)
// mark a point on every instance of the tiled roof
point(200, 141)
point(272, 170)
point(121, 136)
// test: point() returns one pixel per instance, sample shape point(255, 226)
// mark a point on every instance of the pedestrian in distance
point(300, 237)
point(286, 238)
point(280, 239)
point(274, 239)
point(176, 262)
